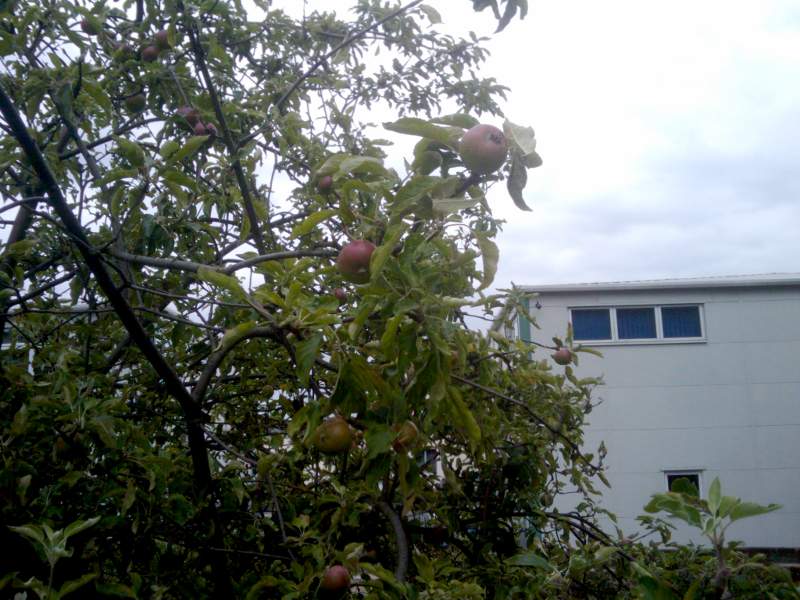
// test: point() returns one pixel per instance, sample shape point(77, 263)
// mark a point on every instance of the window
point(591, 324)
point(693, 477)
point(638, 323)
point(681, 321)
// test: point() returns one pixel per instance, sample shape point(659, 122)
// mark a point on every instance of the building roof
point(764, 279)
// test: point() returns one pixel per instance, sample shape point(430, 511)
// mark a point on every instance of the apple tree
point(237, 359)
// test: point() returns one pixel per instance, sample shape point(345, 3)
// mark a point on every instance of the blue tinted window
point(591, 324)
point(636, 323)
point(681, 321)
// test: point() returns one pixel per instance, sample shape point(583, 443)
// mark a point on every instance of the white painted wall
point(729, 405)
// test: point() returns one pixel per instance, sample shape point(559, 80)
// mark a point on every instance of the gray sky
point(669, 133)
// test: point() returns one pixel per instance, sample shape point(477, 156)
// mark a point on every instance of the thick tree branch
point(192, 414)
point(185, 265)
point(232, 146)
point(400, 538)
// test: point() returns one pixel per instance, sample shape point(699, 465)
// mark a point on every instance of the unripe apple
point(407, 435)
point(90, 27)
point(190, 114)
point(483, 149)
point(161, 39)
point(150, 53)
point(562, 356)
point(135, 103)
point(341, 295)
point(325, 184)
point(333, 436)
point(353, 261)
point(335, 579)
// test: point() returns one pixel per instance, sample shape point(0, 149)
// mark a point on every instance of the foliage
point(174, 340)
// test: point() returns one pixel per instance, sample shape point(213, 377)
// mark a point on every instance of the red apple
point(483, 149)
point(191, 114)
point(211, 130)
point(562, 356)
point(335, 579)
point(325, 184)
point(150, 53)
point(91, 27)
point(161, 39)
point(353, 261)
point(333, 436)
point(200, 129)
point(407, 435)
point(341, 295)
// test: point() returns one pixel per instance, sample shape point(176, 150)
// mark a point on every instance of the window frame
point(615, 340)
point(677, 473)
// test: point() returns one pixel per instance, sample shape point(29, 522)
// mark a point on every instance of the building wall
point(729, 406)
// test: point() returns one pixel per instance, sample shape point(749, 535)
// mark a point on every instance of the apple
point(135, 103)
point(325, 184)
point(340, 294)
point(353, 261)
point(91, 27)
point(150, 53)
point(200, 129)
point(333, 436)
point(189, 113)
point(335, 579)
point(407, 435)
point(562, 356)
point(161, 39)
point(211, 130)
point(483, 149)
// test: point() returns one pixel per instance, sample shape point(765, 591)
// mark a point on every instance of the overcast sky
point(670, 134)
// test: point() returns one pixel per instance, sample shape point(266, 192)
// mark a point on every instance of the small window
point(636, 323)
point(681, 321)
point(591, 324)
point(693, 477)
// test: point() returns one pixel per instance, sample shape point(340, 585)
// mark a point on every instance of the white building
point(701, 377)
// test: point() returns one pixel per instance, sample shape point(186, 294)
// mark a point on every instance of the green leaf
point(517, 180)
point(449, 136)
point(306, 352)
point(530, 559)
point(726, 505)
point(714, 495)
point(384, 251)
point(78, 526)
point(751, 509)
point(446, 206)
point(461, 120)
point(130, 151)
point(378, 438)
point(115, 175)
point(491, 256)
point(463, 416)
point(71, 586)
point(192, 145)
point(523, 141)
point(32, 532)
point(360, 164)
point(308, 224)
point(228, 282)
point(233, 335)
point(433, 15)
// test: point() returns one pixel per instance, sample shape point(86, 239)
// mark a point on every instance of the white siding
point(729, 405)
